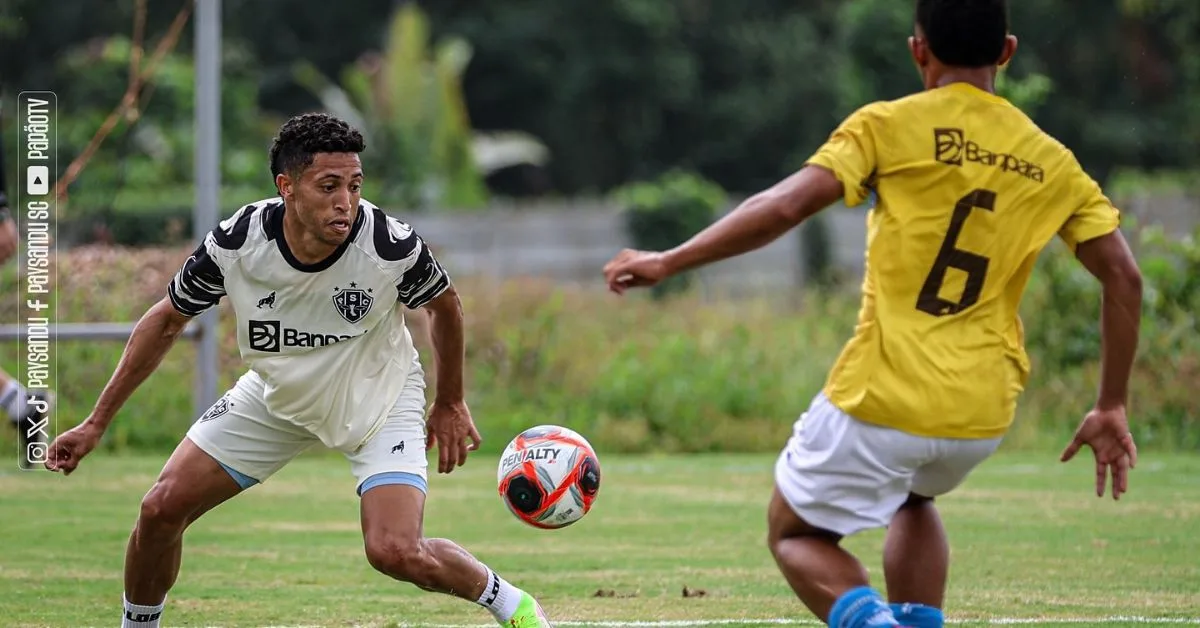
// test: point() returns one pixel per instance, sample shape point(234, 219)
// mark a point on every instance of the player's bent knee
point(784, 523)
point(163, 507)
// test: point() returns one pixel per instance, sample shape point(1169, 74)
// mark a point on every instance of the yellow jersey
point(968, 191)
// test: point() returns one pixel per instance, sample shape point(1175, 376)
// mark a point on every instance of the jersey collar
point(276, 222)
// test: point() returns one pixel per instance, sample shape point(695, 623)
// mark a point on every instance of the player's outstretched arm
point(152, 338)
point(1106, 429)
point(447, 334)
point(1109, 259)
point(450, 425)
point(756, 222)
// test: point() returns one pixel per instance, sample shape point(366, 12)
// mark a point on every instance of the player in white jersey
point(316, 278)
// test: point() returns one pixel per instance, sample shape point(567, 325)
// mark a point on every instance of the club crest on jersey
point(352, 303)
point(219, 408)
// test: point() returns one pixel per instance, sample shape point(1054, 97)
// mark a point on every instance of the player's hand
point(450, 428)
point(635, 269)
point(71, 446)
point(1106, 431)
point(8, 240)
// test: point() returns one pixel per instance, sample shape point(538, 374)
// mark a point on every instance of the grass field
point(1032, 545)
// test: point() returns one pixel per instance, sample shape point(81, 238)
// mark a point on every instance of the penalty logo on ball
point(549, 476)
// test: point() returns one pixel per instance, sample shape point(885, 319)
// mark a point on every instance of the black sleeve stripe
point(424, 281)
point(272, 219)
point(392, 246)
point(231, 234)
point(198, 285)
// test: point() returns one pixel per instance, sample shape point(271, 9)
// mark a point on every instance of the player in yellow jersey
point(968, 192)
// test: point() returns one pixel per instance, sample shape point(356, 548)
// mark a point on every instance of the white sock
point(499, 597)
point(137, 616)
point(12, 400)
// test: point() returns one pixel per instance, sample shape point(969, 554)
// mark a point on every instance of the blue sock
point(918, 616)
point(861, 608)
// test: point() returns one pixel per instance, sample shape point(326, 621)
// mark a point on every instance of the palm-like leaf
point(409, 104)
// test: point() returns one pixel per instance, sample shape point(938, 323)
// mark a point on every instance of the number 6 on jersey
point(976, 266)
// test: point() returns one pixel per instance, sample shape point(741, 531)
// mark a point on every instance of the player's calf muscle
point(431, 564)
point(401, 558)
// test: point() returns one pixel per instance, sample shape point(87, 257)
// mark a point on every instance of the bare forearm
point(449, 347)
point(1119, 322)
point(152, 338)
point(757, 222)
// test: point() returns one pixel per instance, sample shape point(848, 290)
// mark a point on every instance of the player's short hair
point(307, 134)
point(964, 33)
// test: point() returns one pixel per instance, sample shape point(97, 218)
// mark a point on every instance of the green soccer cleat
point(529, 615)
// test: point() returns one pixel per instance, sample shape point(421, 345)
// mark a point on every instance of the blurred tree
point(141, 176)
point(409, 105)
point(628, 89)
point(34, 34)
point(281, 32)
point(154, 145)
point(875, 64)
point(1028, 94)
point(1164, 49)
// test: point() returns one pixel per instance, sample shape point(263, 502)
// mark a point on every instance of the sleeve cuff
point(853, 193)
point(1090, 232)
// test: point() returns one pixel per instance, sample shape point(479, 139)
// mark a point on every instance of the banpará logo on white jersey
point(272, 337)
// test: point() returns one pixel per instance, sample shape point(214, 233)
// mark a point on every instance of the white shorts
point(844, 475)
point(252, 444)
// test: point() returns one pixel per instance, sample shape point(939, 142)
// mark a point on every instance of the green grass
point(1030, 540)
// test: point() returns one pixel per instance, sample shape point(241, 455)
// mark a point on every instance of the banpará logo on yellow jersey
point(951, 147)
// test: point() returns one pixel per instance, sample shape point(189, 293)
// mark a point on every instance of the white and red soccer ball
point(549, 476)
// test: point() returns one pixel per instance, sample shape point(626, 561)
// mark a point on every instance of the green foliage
point(138, 186)
point(876, 64)
point(1028, 93)
point(664, 213)
point(1064, 300)
point(1062, 314)
point(623, 91)
point(1126, 182)
point(409, 105)
point(154, 147)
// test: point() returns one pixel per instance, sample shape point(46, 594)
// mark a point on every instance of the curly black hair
point(307, 134)
point(964, 33)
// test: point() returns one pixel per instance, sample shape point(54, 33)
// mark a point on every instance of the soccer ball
point(549, 476)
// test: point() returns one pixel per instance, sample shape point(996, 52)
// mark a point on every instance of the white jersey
point(327, 339)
